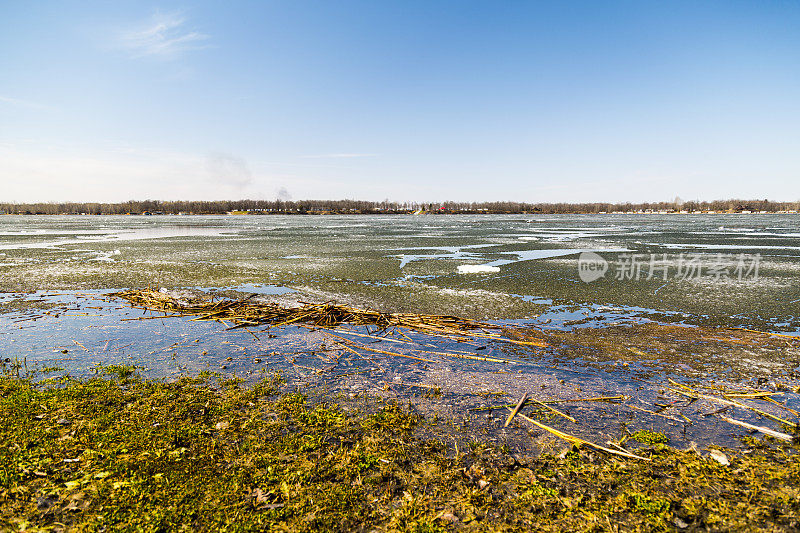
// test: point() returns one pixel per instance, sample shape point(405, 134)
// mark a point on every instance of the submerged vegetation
point(120, 452)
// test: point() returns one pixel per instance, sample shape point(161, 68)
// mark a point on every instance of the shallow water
point(77, 334)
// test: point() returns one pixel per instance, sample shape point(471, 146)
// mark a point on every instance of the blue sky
point(427, 101)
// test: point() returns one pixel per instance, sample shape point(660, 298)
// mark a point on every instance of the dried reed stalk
point(579, 441)
point(691, 393)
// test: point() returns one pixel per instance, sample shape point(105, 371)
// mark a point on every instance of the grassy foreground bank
point(119, 452)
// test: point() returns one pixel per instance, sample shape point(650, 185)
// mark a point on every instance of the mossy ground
point(117, 452)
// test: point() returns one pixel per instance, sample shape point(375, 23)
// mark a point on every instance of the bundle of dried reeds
point(243, 313)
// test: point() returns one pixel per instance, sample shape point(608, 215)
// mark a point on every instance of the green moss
point(121, 372)
point(117, 452)
point(645, 436)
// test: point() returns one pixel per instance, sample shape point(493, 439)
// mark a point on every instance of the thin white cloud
point(98, 173)
point(113, 172)
point(165, 37)
point(339, 156)
point(21, 103)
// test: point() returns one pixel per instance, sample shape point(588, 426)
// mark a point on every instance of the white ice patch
point(125, 235)
point(678, 246)
point(104, 256)
point(477, 269)
point(454, 252)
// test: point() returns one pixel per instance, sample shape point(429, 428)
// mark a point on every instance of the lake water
point(517, 270)
point(411, 263)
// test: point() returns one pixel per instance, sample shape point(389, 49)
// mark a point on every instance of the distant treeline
point(268, 207)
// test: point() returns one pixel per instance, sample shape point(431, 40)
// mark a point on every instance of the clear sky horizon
point(405, 100)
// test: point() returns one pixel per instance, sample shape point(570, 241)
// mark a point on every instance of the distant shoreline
point(401, 213)
point(359, 207)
